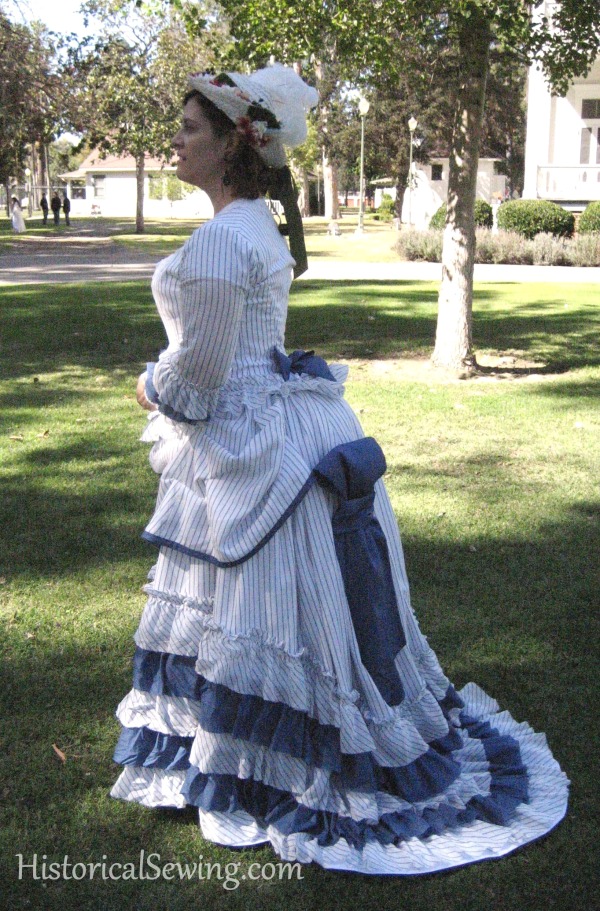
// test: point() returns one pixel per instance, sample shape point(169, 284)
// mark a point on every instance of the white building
point(430, 189)
point(107, 186)
point(562, 149)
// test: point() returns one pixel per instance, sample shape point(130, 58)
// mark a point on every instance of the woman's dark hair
point(248, 174)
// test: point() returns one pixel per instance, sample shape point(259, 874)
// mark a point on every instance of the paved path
point(401, 271)
point(98, 260)
point(102, 260)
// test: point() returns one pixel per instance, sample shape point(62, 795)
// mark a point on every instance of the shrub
point(529, 217)
point(386, 210)
point(483, 216)
point(415, 245)
point(590, 219)
point(584, 250)
point(438, 219)
point(549, 250)
point(503, 247)
point(506, 247)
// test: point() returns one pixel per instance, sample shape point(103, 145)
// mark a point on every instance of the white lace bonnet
point(268, 107)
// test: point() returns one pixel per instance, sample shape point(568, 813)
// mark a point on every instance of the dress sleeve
point(214, 278)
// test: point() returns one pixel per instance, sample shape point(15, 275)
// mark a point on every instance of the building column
point(537, 142)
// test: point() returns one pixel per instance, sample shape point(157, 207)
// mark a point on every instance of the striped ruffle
point(255, 666)
point(296, 804)
point(217, 730)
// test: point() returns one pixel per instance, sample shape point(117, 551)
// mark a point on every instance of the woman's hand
point(140, 394)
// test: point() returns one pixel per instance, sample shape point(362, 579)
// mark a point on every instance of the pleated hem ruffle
point(499, 801)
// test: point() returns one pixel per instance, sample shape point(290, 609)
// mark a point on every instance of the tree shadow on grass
point(56, 520)
point(389, 319)
point(570, 389)
point(115, 325)
point(513, 618)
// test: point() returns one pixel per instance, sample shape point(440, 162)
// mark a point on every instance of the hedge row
point(590, 219)
point(529, 217)
point(507, 247)
point(483, 216)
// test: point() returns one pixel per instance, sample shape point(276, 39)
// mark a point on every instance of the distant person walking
point(18, 222)
point(66, 208)
point(55, 206)
point(44, 207)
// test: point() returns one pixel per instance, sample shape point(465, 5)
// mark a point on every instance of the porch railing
point(572, 183)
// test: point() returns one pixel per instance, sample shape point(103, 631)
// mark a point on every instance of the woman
point(18, 222)
point(281, 683)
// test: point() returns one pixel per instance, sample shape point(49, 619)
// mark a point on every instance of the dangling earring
point(226, 181)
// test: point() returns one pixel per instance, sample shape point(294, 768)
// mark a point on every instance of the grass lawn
point(495, 486)
point(163, 236)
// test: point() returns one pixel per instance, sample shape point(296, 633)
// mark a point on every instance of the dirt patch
point(491, 368)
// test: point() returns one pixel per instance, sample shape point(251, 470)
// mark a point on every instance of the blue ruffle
point(226, 793)
point(141, 746)
point(285, 730)
point(509, 788)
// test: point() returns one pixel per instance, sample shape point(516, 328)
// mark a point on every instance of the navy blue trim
point(151, 393)
point(169, 412)
point(144, 747)
point(288, 731)
point(227, 564)
point(299, 361)
point(178, 416)
point(270, 806)
point(285, 730)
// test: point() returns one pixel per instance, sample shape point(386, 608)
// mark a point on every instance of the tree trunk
point(139, 202)
point(330, 189)
point(400, 192)
point(45, 162)
point(453, 340)
point(304, 199)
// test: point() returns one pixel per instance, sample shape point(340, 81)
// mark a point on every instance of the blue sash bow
point(351, 470)
point(301, 362)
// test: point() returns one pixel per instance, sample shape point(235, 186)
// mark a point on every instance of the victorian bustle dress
point(281, 682)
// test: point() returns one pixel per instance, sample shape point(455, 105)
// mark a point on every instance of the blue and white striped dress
point(252, 699)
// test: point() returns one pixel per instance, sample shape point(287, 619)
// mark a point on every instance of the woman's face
point(200, 153)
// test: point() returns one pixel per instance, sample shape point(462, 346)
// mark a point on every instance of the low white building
point(107, 186)
point(562, 149)
point(430, 189)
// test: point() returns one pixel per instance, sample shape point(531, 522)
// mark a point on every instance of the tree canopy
point(363, 35)
point(32, 95)
point(133, 78)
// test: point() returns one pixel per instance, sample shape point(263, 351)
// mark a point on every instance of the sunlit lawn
point(163, 236)
point(495, 486)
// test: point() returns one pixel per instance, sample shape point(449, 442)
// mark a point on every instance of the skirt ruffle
point(255, 697)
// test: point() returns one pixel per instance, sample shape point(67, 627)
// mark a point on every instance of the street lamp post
point(28, 191)
point(412, 126)
point(363, 110)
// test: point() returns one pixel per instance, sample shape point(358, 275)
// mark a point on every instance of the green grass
point(494, 483)
point(163, 236)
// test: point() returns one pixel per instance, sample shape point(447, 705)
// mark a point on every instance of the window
point(586, 141)
point(437, 172)
point(98, 185)
point(77, 189)
point(590, 108)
